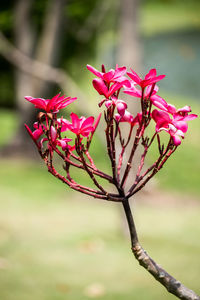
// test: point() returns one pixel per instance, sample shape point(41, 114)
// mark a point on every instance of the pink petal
point(108, 76)
point(158, 78)
point(184, 109)
point(121, 108)
point(87, 122)
point(176, 140)
point(159, 102)
point(52, 103)
point(183, 126)
point(94, 71)
point(151, 74)
point(116, 86)
point(75, 120)
point(190, 117)
point(38, 102)
point(171, 109)
point(179, 132)
point(119, 72)
point(53, 133)
point(86, 131)
point(65, 124)
point(160, 116)
point(37, 133)
point(100, 86)
point(127, 117)
point(65, 102)
point(108, 103)
point(133, 91)
point(134, 76)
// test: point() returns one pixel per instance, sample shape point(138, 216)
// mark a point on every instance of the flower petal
point(94, 71)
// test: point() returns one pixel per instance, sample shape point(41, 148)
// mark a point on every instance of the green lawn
point(57, 244)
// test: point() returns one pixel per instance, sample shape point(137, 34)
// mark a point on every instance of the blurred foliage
point(157, 16)
point(169, 16)
point(73, 51)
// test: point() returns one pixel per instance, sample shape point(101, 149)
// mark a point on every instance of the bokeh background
point(55, 243)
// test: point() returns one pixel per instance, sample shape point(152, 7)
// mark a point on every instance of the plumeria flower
point(181, 114)
point(128, 117)
point(112, 75)
point(176, 128)
point(149, 79)
point(37, 133)
point(51, 105)
point(52, 142)
point(80, 126)
point(57, 142)
point(148, 95)
point(119, 104)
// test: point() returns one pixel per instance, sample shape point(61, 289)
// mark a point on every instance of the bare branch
point(173, 286)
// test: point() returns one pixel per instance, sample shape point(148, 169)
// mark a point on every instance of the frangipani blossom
point(119, 104)
point(112, 75)
point(149, 79)
point(182, 114)
point(176, 128)
point(58, 142)
point(36, 134)
point(80, 126)
point(128, 117)
point(51, 105)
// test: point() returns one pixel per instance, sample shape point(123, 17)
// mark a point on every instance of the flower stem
point(173, 286)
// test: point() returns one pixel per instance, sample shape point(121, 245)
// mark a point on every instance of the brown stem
point(135, 145)
point(172, 285)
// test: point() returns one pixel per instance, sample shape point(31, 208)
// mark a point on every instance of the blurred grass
point(56, 244)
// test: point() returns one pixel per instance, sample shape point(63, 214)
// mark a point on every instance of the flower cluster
point(71, 139)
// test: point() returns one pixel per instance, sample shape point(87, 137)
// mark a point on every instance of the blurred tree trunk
point(129, 54)
point(46, 50)
point(129, 47)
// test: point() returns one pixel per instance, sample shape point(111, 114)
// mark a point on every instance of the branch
point(172, 285)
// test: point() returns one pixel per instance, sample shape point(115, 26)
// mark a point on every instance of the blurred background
point(55, 243)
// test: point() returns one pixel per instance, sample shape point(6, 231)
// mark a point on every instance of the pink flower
point(57, 142)
point(176, 128)
point(102, 88)
point(37, 133)
point(148, 94)
point(112, 75)
point(51, 105)
point(128, 117)
point(119, 104)
point(149, 79)
point(80, 126)
point(182, 114)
